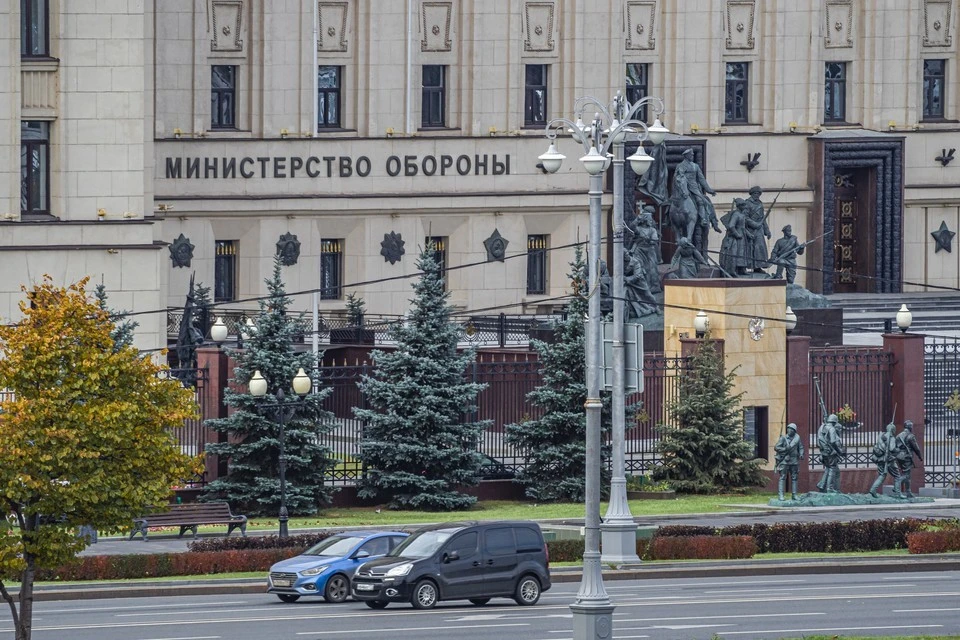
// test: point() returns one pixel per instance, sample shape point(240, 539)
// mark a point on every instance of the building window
point(225, 271)
point(536, 264)
point(34, 167)
point(434, 96)
point(328, 97)
point(438, 244)
point(331, 269)
point(738, 93)
point(637, 86)
point(34, 28)
point(535, 95)
point(934, 84)
point(835, 92)
point(223, 97)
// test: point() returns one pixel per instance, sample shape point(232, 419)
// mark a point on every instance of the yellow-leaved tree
point(84, 435)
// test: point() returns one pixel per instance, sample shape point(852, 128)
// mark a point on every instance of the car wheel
point(425, 595)
point(376, 604)
point(288, 597)
point(479, 601)
point(337, 589)
point(528, 591)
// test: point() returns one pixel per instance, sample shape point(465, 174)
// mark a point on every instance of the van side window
point(465, 545)
point(500, 542)
point(528, 540)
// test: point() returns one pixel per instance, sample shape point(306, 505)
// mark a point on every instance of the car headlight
point(402, 570)
point(315, 571)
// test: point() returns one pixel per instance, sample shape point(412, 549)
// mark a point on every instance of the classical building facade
point(150, 140)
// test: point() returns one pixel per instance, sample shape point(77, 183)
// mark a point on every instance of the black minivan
point(472, 561)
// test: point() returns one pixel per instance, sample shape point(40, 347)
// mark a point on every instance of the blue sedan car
point(326, 568)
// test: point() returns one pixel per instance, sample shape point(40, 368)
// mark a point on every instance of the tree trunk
point(25, 627)
point(13, 606)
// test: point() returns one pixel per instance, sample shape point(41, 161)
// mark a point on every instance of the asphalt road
point(748, 608)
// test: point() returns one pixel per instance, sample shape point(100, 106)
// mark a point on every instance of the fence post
point(906, 381)
point(214, 360)
point(798, 399)
point(502, 330)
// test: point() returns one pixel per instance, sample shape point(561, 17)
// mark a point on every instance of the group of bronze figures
point(690, 214)
point(893, 454)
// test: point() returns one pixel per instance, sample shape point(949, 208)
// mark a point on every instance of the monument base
point(842, 499)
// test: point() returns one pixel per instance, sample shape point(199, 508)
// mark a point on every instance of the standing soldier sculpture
point(732, 250)
point(785, 253)
point(907, 447)
point(756, 230)
point(888, 463)
point(789, 453)
point(831, 452)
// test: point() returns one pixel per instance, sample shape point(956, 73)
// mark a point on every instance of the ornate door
point(845, 235)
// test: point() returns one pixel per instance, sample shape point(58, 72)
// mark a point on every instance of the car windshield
point(333, 546)
point(421, 545)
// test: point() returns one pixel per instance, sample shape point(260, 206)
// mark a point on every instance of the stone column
point(906, 378)
point(214, 360)
point(798, 400)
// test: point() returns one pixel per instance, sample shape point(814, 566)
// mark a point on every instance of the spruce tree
point(252, 485)
point(122, 333)
point(554, 445)
point(704, 452)
point(418, 447)
point(356, 308)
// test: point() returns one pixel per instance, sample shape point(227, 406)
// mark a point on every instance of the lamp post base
point(619, 543)
point(592, 621)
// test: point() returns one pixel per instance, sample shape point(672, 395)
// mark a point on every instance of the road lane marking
point(746, 615)
point(708, 584)
point(830, 588)
point(683, 603)
point(923, 610)
point(402, 629)
point(905, 626)
point(190, 638)
point(141, 606)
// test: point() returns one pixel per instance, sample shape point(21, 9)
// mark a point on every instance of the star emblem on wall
point(496, 246)
point(181, 251)
point(943, 237)
point(392, 247)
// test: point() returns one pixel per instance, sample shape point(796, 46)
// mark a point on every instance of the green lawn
point(509, 510)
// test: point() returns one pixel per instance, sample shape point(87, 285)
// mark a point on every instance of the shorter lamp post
point(284, 409)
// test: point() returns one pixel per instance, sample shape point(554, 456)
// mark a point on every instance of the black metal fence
point(858, 378)
point(192, 434)
point(941, 397)
point(661, 387)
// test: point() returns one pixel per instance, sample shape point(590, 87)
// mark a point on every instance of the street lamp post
point(284, 409)
point(592, 610)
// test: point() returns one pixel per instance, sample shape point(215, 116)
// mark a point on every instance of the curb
point(718, 569)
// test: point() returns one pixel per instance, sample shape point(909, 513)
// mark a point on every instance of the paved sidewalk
point(941, 508)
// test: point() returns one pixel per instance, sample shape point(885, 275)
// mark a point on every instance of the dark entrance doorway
point(854, 231)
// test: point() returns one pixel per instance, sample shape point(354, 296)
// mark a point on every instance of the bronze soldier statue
point(699, 189)
point(887, 461)
point(907, 447)
point(733, 258)
point(831, 452)
point(789, 453)
point(785, 253)
point(756, 230)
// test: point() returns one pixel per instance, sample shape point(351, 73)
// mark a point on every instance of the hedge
point(934, 541)
point(299, 541)
point(816, 537)
point(701, 547)
point(159, 565)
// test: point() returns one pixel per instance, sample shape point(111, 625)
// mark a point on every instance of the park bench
point(190, 516)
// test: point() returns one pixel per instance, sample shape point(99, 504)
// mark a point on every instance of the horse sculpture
point(683, 209)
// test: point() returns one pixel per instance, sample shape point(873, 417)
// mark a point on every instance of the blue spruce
point(250, 435)
point(554, 445)
point(418, 447)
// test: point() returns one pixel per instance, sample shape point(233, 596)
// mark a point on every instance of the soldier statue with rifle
point(885, 456)
point(831, 447)
point(789, 453)
point(907, 447)
point(756, 230)
point(785, 253)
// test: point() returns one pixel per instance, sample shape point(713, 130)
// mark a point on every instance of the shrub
point(828, 537)
point(565, 550)
point(167, 564)
point(934, 541)
point(682, 530)
point(303, 541)
point(702, 547)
